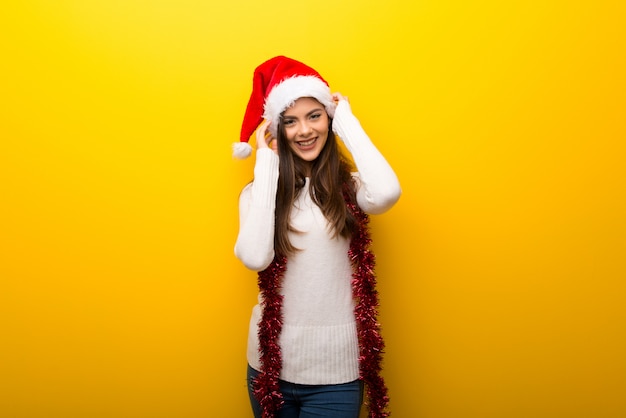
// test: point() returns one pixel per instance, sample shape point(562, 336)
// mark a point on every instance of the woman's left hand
point(337, 97)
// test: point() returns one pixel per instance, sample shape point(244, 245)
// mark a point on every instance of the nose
point(305, 129)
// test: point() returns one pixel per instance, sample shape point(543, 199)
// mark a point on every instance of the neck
point(307, 168)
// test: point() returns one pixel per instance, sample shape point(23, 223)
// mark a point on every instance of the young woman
point(314, 342)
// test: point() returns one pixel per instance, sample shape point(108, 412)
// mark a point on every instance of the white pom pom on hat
point(242, 150)
point(276, 85)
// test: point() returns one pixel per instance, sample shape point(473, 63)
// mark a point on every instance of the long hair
point(330, 171)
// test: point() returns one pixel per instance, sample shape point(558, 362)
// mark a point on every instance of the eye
point(288, 122)
point(315, 116)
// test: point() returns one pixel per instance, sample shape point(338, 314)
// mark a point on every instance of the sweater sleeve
point(257, 204)
point(378, 186)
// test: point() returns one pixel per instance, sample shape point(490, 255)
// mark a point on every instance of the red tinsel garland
point(266, 389)
point(364, 291)
point(371, 345)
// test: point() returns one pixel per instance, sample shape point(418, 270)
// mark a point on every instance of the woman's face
point(306, 128)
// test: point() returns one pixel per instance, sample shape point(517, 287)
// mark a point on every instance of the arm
point(257, 203)
point(378, 188)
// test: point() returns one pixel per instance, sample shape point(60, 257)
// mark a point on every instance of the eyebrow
point(308, 114)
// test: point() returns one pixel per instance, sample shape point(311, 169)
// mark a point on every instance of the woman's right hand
point(264, 138)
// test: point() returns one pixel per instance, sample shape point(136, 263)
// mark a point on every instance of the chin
point(310, 155)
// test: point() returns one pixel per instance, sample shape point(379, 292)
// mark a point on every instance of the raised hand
point(338, 96)
point(264, 139)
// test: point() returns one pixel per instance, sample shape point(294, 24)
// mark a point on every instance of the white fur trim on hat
point(284, 95)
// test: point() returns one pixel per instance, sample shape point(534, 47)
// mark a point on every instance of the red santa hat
point(276, 85)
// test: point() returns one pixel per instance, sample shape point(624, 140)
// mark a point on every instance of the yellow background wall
point(502, 268)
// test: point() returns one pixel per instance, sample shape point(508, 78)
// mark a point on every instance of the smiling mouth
point(306, 143)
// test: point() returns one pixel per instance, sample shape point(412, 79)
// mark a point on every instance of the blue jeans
point(314, 401)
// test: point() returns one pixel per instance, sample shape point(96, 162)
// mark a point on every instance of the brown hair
point(330, 177)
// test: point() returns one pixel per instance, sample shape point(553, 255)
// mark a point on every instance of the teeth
point(306, 143)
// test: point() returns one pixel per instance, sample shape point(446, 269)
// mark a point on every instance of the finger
point(338, 97)
point(261, 134)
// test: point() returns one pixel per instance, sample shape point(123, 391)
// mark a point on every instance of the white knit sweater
point(318, 340)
